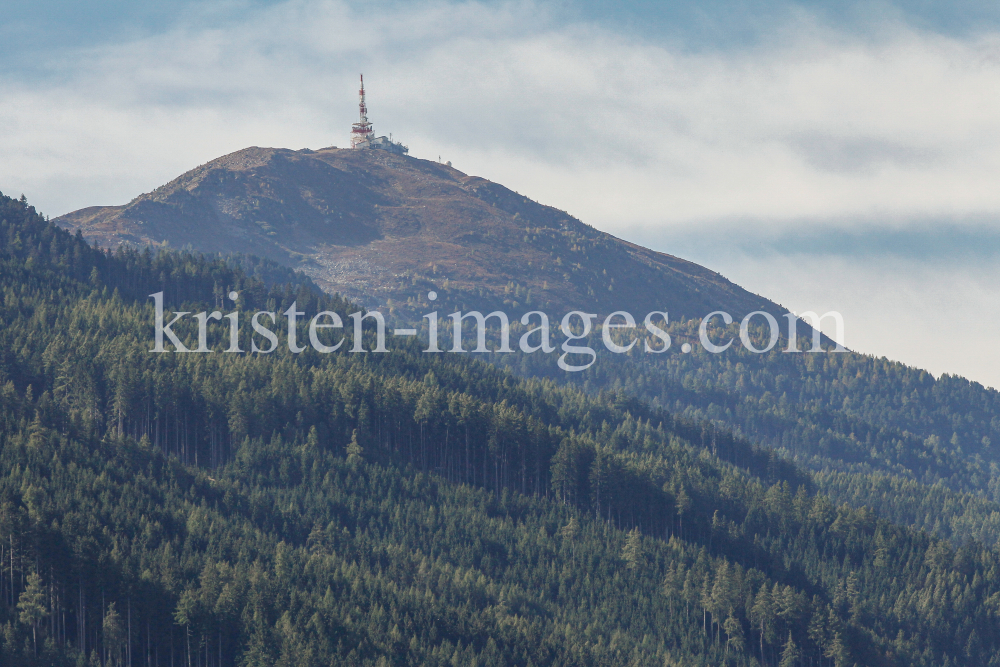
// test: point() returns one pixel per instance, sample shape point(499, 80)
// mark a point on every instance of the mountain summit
point(383, 228)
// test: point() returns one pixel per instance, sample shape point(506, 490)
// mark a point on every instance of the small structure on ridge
point(362, 135)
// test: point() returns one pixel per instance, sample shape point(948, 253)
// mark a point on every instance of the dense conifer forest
point(919, 450)
point(407, 509)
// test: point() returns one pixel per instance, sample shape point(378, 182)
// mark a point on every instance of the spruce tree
point(114, 635)
point(31, 604)
point(790, 655)
point(632, 551)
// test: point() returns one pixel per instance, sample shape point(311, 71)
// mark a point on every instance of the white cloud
point(939, 318)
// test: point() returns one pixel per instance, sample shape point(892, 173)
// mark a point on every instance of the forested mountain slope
point(387, 229)
point(920, 450)
point(401, 508)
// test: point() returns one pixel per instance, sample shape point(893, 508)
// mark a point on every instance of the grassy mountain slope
point(383, 229)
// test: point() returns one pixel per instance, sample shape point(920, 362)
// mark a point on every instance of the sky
point(829, 156)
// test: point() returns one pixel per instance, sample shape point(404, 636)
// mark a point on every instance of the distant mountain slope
point(378, 227)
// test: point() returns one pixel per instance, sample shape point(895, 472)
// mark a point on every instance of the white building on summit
point(362, 135)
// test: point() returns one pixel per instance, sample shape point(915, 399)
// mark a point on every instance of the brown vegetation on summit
point(383, 229)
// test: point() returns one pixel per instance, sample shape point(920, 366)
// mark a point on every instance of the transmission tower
point(361, 132)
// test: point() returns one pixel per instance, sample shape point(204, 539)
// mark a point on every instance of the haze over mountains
point(382, 229)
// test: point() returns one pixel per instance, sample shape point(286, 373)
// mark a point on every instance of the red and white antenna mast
point(361, 132)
